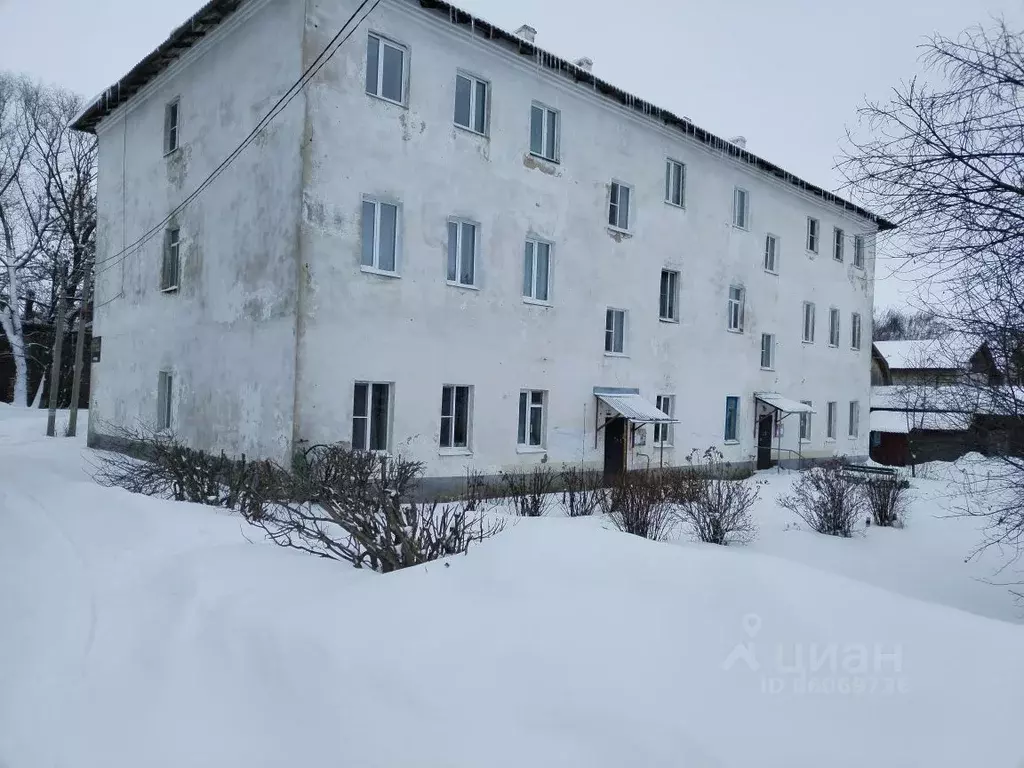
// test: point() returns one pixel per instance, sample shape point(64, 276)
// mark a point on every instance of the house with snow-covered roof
point(447, 242)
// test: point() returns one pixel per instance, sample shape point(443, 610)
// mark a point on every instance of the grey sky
point(787, 74)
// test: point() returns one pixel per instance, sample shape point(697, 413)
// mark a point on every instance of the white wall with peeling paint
point(233, 342)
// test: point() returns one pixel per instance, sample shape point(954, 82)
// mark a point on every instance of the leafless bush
point(826, 498)
point(582, 490)
point(886, 498)
point(713, 500)
point(638, 505)
point(529, 491)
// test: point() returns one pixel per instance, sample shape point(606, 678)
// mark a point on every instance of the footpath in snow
point(138, 632)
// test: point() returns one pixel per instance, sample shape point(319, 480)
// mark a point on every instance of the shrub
point(886, 498)
point(637, 504)
point(826, 499)
point(529, 491)
point(582, 490)
point(714, 501)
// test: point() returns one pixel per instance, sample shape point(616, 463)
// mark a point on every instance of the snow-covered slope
point(135, 632)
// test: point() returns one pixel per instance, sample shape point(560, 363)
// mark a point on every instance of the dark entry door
point(615, 446)
point(764, 441)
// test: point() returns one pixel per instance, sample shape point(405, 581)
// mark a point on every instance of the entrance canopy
point(629, 404)
point(783, 404)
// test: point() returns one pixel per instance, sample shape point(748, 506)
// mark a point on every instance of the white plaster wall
point(228, 333)
point(420, 333)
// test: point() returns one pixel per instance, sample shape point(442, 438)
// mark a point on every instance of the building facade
point(454, 246)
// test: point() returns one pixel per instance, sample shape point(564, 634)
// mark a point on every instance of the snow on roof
point(784, 404)
point(634, 407)
point(901, 422)
point(928, 354)
point(925, 398)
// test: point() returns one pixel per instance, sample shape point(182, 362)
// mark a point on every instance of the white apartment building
point(455, 246)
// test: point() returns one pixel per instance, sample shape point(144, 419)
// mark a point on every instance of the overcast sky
point(787, 74)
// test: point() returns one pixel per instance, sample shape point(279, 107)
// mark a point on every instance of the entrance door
point(764, 441)
point(615, 447)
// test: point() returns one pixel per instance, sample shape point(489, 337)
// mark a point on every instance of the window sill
point(732, 442)
point(772, 369)
point(619, 231)
point(805, 441)
point(734, 330)
point(615, 354)
point(172, 152)
point(545, 159)
point(774, 272)
point(741, 229)
point(807, 341)
point(833, 346)
point(672, 320)
point(681, 207)
point(464, 286)
point(859, 266)
point(386, 100)
point(472, 131)
point(837, 261)
point(830, 439)
point(853, 437)
point(380, 272)
point(662, 446)
point(454, 452)
point(537, 302)
point(812, 254)
point(531, 449)
point(171, 289)
point(855, 349)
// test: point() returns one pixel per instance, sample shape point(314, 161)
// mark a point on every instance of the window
point(675, 183)
point(537, 270)
point(380, 235)
point(736, 308)
point(768, 351)
point(615, 331)
point(462, 252)
point(858, 251)
point(668, 306)
point(812, 234)
point(544, 125)
point(385, 69)
point(838, 243)
point(808, 336)
point(854, 418)
point(171, 126)
point(455, 404)
point(371, 416)
point(833, 327)
point(531, 418)
point(805, 424)
point(830, 420)
point(471, 97)
point(740, 208)
point(855, 330)
point(771, 253)
point(164, 399)
point(618, 206)
point(732, 414)
point(663, 432)
point(170, 267)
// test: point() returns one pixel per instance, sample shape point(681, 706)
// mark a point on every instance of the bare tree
point(942, 159)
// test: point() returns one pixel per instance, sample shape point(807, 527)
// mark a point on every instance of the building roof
point(928, 354)
point(207, 18)
point(901, 422)
point(922, 397)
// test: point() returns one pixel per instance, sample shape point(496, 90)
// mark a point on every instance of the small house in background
point(935, 362)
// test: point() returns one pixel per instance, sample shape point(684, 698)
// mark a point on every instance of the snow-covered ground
point(138, 632)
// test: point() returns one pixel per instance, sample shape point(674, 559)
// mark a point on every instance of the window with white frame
point(736, 297)
point(171, 113)
point(537, 270)
point(462, 243)
point(615, 331)
point(455, 409)
point(855, 330)
point(771, 253)
point(732, 418)
point(805, 423)
point(668, 303)
point(170, 265)
point(164, 399)
point(532, 403)
point(663, 431)
point(471, 102)
point(808, 332)
point(740, 208)
point(813, 227)
point(838, 243)
point(385, 69)
point(830, 419)
point(371, 415)
point(833, 327)
point(675, 183)
point(545, 124)
point(618, 205)
point(854, 430)
point(858, 250)
point(380, 235)
point(768, 351)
